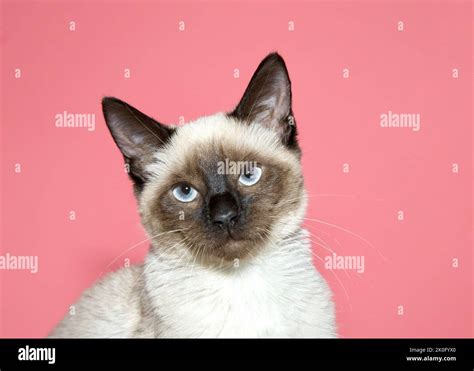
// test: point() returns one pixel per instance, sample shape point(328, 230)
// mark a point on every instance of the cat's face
point(223, 186)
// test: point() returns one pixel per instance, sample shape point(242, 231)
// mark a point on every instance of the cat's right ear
point(137, 135)
point(267, 100)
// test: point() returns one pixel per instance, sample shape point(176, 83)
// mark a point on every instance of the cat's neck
point(198, 300)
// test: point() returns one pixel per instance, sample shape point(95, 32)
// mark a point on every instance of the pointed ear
point(137, 136)
point(267, 100)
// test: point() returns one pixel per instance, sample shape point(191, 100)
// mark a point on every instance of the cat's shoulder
point(109, 308)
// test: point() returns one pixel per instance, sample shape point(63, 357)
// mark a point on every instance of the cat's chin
point(235, 249)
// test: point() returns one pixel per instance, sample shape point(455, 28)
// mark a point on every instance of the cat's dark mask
point(224, 185)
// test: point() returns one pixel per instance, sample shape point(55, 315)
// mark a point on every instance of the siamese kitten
point(222, 200)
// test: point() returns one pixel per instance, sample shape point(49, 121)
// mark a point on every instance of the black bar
point(87, 352)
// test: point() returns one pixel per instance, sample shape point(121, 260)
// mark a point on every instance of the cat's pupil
point(185, 189)
point(248, 175)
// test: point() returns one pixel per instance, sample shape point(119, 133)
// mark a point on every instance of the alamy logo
point(13, 262)
point(400, 120)
point(334, 261)
point(75, 120)
point(229, 167)
point(37, 354)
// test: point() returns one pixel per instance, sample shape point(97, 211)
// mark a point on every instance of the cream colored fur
point(277, 293)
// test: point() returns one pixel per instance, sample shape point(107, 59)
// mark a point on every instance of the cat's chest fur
point(277, 295)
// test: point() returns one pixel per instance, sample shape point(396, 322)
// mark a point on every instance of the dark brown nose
point(223, 210)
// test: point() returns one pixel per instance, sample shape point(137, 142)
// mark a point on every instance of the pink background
point(190, 74)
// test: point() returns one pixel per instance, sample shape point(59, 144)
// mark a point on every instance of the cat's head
point(224, 185)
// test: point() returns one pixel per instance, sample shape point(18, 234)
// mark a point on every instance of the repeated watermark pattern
point(75, 120)
point(345, 262)
point(229, 167)
point(401, 120)
point(19, 262)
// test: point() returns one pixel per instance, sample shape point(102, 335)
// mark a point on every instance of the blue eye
point(249, 178)
point(184, 192)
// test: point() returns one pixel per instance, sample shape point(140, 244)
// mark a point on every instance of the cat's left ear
point(137, 135)
point(267, 100)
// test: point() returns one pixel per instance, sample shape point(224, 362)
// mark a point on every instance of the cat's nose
point(224, 211)
point(226, 219)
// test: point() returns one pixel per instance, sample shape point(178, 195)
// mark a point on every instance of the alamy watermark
point(400, 120)
point(75, 120)
point(230, 167)
point(17, 262)
point(28, 353)
point(345, 262)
